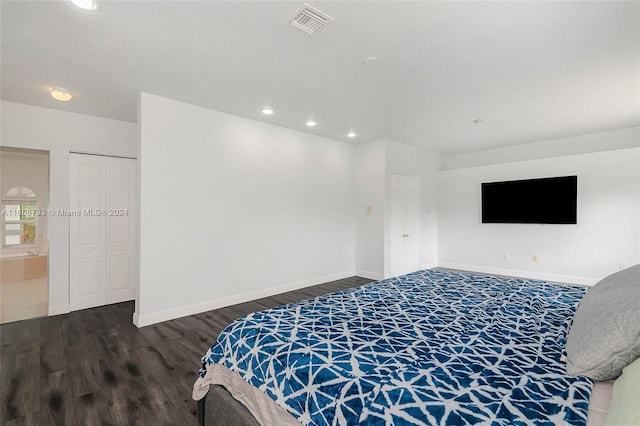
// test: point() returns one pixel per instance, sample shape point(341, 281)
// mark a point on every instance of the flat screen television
point(547, 200)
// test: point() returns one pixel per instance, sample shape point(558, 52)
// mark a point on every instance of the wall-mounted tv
point(547, 200)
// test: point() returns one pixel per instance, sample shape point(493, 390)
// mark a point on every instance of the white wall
point(583, 144)
point(370, 190)
point(607, 233)
point(25, 126)
point(233, 209)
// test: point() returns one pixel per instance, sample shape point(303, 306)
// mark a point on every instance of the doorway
point(404, 229)
point(24, 255)
point(102, 230)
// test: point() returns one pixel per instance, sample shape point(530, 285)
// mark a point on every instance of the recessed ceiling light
point(370, 60)
point(351, 134)
point(476, 121)
point(311, 123)
point(85, 4)
point(267, 111)
point(60, 94)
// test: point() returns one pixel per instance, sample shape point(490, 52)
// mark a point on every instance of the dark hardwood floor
point(94, 367)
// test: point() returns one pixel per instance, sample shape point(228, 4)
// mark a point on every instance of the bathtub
point(15, 255)
point(21, 266)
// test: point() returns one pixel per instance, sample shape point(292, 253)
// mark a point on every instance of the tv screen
point(548, 200)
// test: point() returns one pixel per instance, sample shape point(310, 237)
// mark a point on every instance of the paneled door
point(404, 228)
point(102, 235)
point(121, 230)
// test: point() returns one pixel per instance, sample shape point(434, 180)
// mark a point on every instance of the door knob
point(405, 235)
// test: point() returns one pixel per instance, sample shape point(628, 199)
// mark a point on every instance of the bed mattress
point(429, 347)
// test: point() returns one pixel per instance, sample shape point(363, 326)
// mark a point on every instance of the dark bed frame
point(219, 408)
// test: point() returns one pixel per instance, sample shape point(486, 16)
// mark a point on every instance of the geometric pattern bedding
point(431, 347)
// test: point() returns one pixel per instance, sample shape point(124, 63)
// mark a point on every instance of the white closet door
point(88, 232)
point(121, 241)
point(404, 229)
point(103, 246)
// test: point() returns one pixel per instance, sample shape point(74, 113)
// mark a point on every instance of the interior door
point(404, 229)
point(87, 232)
point(103, 261)
point(121, 228)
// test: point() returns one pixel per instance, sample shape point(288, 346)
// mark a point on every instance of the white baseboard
point(183, 311)
point(59, 309)
point(371, 275)
point(521, 274)
point(430, 265)
point(375, 276)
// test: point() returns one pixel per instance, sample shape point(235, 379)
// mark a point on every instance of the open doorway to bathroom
point(24, 260)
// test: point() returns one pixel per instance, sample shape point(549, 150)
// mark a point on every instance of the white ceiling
point(532, 70)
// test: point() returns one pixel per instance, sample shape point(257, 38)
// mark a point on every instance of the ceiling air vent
point(308, 19)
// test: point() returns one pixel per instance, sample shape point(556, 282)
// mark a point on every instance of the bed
point(431, 347)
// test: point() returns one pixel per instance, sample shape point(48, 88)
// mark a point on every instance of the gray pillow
point(605, 334)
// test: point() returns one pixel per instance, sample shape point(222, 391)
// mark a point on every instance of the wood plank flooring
point(94, 367)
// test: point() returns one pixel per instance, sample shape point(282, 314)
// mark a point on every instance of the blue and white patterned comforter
point(432, 347)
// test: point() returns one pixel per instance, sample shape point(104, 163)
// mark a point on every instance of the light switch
point(369, 210)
